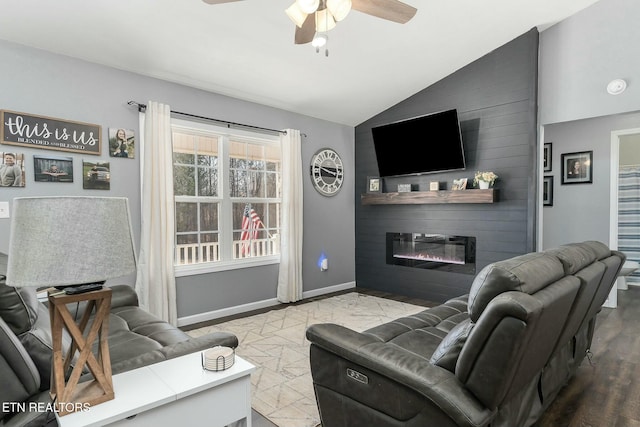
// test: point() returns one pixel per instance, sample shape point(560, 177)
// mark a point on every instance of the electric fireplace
point(456, 254)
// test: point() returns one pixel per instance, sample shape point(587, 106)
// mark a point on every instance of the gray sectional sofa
point(495, 357)
point(136, 338)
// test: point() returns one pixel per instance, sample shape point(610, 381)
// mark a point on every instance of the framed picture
point(547, 191)
point(577, 168)
point(546, 157)
point(30, 130)
point(122, 143)
point(96, 175)
point(374, 184)
point(53, 169)
point(459, 184)
point(12, 169)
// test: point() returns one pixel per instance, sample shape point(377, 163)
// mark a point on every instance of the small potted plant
point(484, 180)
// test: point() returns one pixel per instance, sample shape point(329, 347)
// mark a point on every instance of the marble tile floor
point(274, 341)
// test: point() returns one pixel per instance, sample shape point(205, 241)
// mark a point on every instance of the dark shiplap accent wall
point(496, 101)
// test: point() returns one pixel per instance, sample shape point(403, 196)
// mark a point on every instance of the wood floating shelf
point(430, 197)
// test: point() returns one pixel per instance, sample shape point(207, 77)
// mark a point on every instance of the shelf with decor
point(431, 197)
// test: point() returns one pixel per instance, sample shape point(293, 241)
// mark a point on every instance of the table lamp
point(64, 242)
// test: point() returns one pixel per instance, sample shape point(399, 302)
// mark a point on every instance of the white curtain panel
point(156, 284)
point(290, 275)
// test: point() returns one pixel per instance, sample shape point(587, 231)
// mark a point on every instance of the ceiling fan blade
point(305, 33)
point(391, 10)
point(219, 1)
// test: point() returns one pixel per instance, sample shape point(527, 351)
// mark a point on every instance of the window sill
point(214, 267)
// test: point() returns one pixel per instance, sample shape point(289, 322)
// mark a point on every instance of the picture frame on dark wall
point(547, 191)
point(577, 167)
point(374, 184)
point(546, 157)
point(459, 184)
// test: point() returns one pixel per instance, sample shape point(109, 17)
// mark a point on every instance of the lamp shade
point(296, 14)
point(308, 6)
point(61, 241)
point(324, 21)
point(339, 8)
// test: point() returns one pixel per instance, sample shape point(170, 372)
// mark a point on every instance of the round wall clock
point(327, 172)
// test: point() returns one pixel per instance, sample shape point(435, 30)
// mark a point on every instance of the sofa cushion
point(145, 324)
point(599, 249)
point(573, 257)
point(446, 355)
point(525, 273)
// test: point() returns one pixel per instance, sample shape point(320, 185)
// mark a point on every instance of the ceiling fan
point(313, 18)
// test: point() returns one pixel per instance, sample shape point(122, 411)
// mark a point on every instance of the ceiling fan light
point(296, 14)
point(339, 8)
point(308, 6)
point(324, 21)
point(319, 40)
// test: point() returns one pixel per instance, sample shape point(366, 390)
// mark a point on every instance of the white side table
point(171, 393)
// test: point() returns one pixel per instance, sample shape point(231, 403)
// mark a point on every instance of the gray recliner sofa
point(136, 338)
point(495, 357)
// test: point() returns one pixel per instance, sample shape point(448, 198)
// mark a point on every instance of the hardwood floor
point(603, 393)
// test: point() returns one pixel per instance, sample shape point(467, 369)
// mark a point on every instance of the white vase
point(484, 185)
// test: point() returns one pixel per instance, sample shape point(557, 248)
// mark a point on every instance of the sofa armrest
point(225, 339)
point(123, 295)
point(441, 388)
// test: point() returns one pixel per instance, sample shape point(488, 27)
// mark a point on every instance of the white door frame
point(612, 300)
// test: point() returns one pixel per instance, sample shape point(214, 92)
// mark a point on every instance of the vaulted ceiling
point(245, 49)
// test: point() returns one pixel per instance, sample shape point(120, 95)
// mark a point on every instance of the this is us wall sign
point(30, 130)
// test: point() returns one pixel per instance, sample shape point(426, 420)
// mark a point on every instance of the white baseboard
point(328, 290)
point(239, 309)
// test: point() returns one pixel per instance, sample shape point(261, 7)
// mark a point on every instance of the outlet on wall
point(4, 209)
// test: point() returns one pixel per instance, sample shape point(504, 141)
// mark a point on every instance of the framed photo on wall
point(374, 184)
point(547, 191)
point(546, 157)
point(122, 143)
point(53, 168)
point(96, 175)
point(577, 168)
point(12, 172)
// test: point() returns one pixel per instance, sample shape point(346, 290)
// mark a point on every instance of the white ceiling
point(245, 49)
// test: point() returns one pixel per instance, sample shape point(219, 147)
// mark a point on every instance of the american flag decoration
point(250, 224)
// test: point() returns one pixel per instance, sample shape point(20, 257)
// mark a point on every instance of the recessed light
point(616, 87)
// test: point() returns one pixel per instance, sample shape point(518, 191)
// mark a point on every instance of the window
point(227, 190)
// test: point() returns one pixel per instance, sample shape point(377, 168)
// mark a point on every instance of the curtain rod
point(143, 107)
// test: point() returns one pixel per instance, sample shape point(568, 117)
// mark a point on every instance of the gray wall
point(584, 52)
point(496, 101)
point(581, 211)
point(578, 57)
point(37, 82)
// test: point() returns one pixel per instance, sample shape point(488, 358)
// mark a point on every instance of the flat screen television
point(425, 144)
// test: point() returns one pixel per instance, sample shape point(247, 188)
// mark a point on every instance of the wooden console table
point(430, 197)
point(71, 394)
